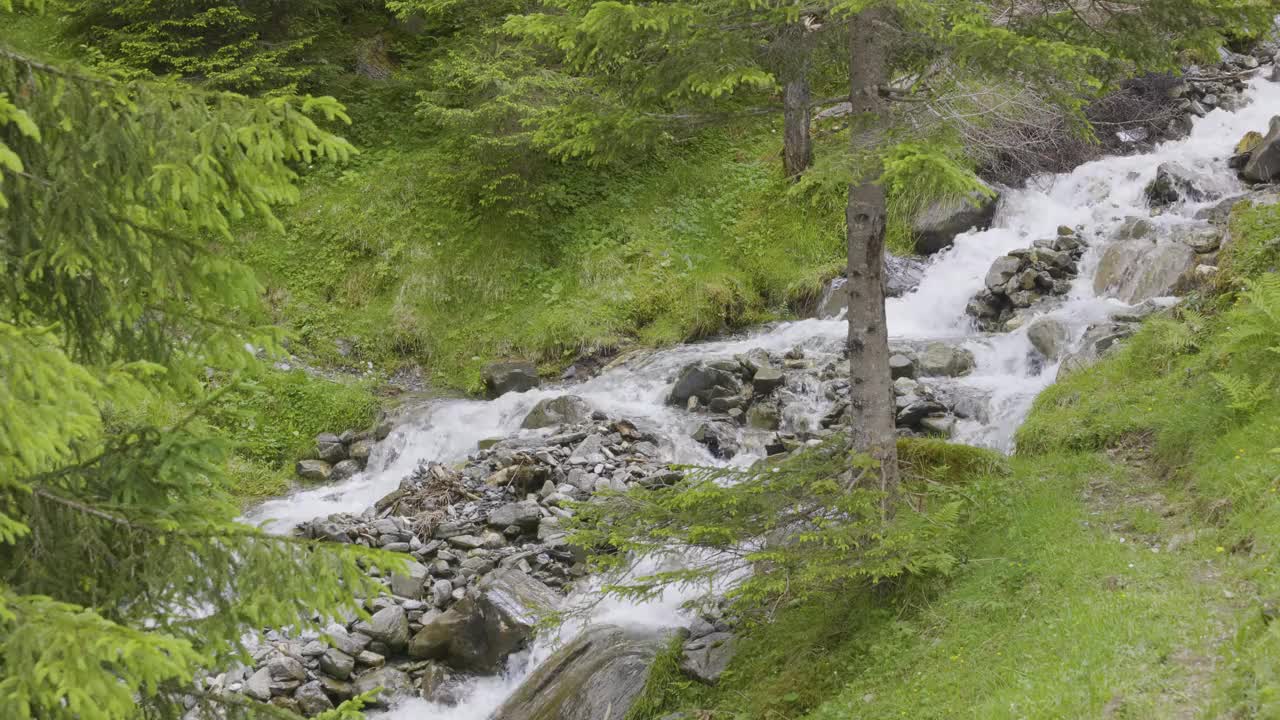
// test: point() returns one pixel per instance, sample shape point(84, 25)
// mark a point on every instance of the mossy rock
point(939, 460)
point(1247, 143)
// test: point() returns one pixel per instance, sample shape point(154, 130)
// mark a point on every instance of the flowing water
point(1097, 196)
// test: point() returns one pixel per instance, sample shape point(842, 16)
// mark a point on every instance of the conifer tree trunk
point(797, 147)
point(871, 401)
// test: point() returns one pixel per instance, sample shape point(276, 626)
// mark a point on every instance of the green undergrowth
point(274, 419)
point(1125, 565)
point(682, 246)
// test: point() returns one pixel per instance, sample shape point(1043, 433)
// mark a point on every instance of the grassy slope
point(1125, 568)
point(683, 247)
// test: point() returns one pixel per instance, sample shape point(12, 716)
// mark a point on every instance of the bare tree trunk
point(871, 401)
point(797, 147)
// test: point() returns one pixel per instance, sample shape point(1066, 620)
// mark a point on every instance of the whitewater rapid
point(1096, 197)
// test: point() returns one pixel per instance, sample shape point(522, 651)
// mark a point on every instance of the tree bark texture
point(871, 400)
point(797, 147)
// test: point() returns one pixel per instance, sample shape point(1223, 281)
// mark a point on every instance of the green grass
point(682, 247)
point(274, 420)
point(1126, 565)
point(38, 35)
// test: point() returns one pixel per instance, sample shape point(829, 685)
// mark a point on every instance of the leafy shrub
point(787, 531)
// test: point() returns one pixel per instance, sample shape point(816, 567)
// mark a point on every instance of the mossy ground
point(1124, 567)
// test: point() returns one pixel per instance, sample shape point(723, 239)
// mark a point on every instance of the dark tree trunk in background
point(797, 147)
point(789, 55)
point(872, 408)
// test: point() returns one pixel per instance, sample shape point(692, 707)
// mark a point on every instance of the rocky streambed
point(475, 493)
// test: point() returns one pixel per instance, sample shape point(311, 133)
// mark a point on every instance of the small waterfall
point(1096, 197)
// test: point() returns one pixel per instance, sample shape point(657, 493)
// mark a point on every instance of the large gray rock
point(563, 410)
point(344, 470)
point(285, 669)
point(338, 664)
point(936, 227)
point(259, 685)
point(392, 681)
point(1001, 272)
point(705, 382)
point(1264, 160)
point(706, 658)
point(329, 448)
point(1135, 270)
point(524, 515)
point(314, 470)
point(1048, 336)
point(390, 626)
point(597, 675)
point(1175, 183)
point(312, 700)
point(408, 584)
point(459, 626)
point(480, 631)
point(719, 437)
point(589, 452)
point(941, 359)
point(513, 603)
point(502, 378)
point(766, 380)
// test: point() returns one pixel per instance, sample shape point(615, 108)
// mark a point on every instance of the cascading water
point(1097, 196)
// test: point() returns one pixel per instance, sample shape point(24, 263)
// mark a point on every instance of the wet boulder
point(480, 631)
point(936, 226)
point(1175, 183)
point(312, 700)
point(330, 448)
point(511, 603)
point(902, 274)
point(766, 379)
point(1202, 239)
point(563, 410)
point(314, 470)
point(1136, 270)
point(941, 359)
point(393, 682)
point(389, 626)
point(504, 377)
point(1049, 336)
point(344, 470)
point(1263, 165)
point(915, 410)
point(901, 365)
point(1004, 269)
point(704, 381)
point(719, 437)
point(706, 658)
point(1024, 277)
point(598, 674)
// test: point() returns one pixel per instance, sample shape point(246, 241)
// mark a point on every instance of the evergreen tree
point(123, 572)
point(690, 63)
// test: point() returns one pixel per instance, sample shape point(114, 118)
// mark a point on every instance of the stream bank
point(1004, 372)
